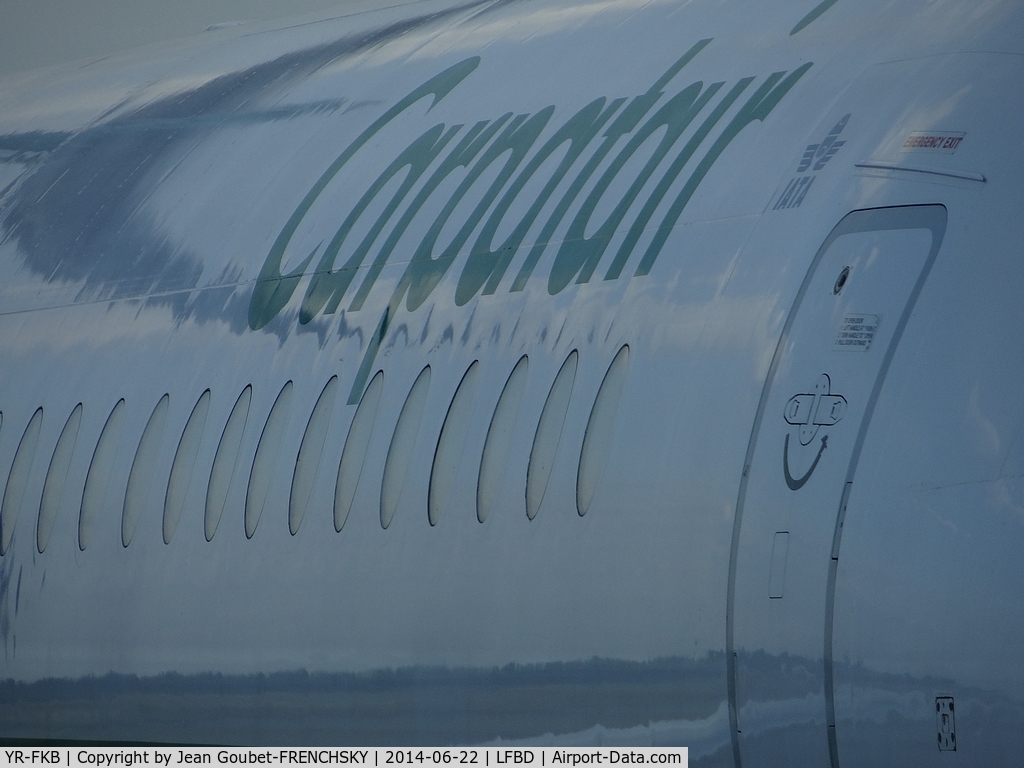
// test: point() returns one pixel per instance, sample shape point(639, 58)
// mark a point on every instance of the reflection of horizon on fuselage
point(556, 703)
point(308, 708)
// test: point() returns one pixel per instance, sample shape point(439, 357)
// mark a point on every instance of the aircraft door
point(815, 408)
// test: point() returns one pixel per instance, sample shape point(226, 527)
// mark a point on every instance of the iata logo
point(820, 154)
point(809, 412)
point(815, 158)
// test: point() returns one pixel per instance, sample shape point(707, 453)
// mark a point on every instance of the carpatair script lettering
point(507, 152)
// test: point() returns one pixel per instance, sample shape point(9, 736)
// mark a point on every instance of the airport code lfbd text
point(102, 757)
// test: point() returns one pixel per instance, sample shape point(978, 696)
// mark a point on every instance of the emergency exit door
point(826, 373)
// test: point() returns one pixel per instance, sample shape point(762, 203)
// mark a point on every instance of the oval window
point(56, 477)
point(499, 438)
point(224, 462)
point(183, 465)
point(143, 468)
point(598, 438)
point(98, 477)
point(403, 442)
point(351, 465)
point(549, 432)
point(450, 442)
point(310, 450)
point(264, 463)
point(14, 492)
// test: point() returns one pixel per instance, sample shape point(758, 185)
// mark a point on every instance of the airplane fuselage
point(540, 372)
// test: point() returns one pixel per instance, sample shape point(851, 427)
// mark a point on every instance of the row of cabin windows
point(447, 454)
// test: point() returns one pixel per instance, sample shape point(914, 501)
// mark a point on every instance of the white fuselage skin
point(687, 189)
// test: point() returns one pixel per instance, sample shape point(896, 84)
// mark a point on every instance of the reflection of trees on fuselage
point(414, 705)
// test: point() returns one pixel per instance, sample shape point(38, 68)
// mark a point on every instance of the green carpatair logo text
point(510, 140)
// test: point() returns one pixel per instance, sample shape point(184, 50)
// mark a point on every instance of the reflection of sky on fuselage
point(120, 163)
point(206, 137)
point(39, 33)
